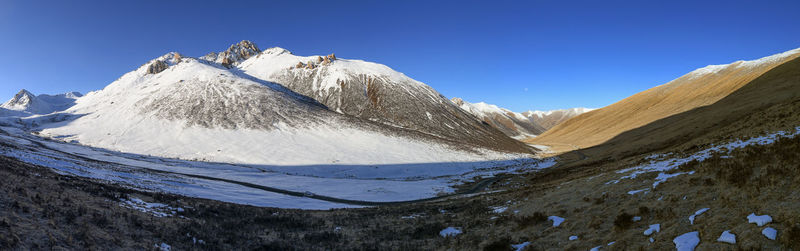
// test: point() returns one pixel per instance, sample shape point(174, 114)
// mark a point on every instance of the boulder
point(156, 67)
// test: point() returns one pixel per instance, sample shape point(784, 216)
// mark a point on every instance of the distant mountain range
point(518, 125)
point(245, 105)
point(25, 103)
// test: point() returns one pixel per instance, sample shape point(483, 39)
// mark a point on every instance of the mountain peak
point(239, 52)
point(22, 93)
point(236, 53)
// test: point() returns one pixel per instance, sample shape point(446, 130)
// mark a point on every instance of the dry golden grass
point(678, 96)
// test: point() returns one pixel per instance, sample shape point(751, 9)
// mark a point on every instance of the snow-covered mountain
point(26, 103)
point(518, 125)
point(365, 90)
point(176, 106)
point(549, 119)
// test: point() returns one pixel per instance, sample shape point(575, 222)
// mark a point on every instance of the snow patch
point(655, 228)
point(661, 163)
point(521, 246)
point(637, 191)
point(155, 209)
point(759, 220)
point(556, 220)
point(687, 241)
point(699, 212)
point(499, 209)
point(450, 231)
point(727, 237)
point(770, 233)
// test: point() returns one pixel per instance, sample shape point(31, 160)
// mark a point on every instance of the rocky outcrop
point(177, 57)
point(156, 67)
point(234, 54)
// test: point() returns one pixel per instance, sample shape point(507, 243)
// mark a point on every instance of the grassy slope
point(680, 95)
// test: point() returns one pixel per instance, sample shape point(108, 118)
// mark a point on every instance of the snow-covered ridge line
point(25, 103)
point(519, 126)
point(572, 111)
point(712, 69)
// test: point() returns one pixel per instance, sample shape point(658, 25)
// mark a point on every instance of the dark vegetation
point(40, 209)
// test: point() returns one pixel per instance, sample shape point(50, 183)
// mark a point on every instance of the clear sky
point(519, 54)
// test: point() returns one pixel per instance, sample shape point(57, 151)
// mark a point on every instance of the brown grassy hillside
point(699, 88)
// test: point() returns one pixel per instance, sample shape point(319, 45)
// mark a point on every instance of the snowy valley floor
point(743, 191)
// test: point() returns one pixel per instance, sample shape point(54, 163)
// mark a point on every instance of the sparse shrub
point(792, 237)
point(596, 222)
point(644, 210)
point(499, 245)
point(530, 220)
point(623, 221)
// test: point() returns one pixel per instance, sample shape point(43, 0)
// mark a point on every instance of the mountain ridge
point(699, 88)
point(519, 126)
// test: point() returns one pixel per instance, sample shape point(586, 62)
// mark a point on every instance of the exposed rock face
point(403, 104)
point(177, 57)
point(377, 93)
point(156, 67)
point(234, 54)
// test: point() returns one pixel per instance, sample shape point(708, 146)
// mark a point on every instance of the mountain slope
point(186, 108)
point(518, 125)
point(373, 92)
point(549, 119)
point(671, 102)
point(27, 103)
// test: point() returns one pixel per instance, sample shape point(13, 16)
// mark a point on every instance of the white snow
point(113, 118)
point(24, 103)
point(636, 218)
point(637, 191)
point(727, 237)
point(450, 231)
point(768, 59)
point(155, 209)
point(699, 212)
point(655, 228)
point(164, 247)
point(272, 63)
point(687, 241)
point(521, 246)
point(759, 220)
point(713, 69)
point(567, 112)
point(770, 233)
point(663, 163)
point(556, 220)
point(574, 237)
point(499, 209)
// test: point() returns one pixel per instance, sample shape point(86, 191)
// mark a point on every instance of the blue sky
point(517, 54)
